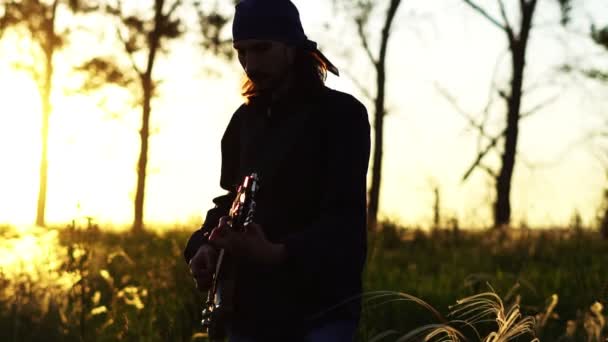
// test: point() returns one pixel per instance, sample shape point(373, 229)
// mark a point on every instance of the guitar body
point(219, 307)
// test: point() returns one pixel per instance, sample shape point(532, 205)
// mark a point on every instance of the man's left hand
point(251, 244)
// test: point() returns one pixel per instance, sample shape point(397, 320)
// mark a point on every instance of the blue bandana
point(275, 20)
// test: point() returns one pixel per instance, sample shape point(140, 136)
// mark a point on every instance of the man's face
point(266, 63)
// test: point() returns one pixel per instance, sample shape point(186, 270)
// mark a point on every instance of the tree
point(600, 37)
point(36, 20)
point(518, 39)
point(143, 35)
point(362, 10)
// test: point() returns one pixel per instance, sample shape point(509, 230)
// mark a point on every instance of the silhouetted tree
point(362, 12)
point(600, 37)
point(143, 34)
point(517, 34)
point(37, 20)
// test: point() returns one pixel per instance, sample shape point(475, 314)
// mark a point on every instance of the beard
point(269, 82)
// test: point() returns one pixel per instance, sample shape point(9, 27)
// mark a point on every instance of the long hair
point(309, 75)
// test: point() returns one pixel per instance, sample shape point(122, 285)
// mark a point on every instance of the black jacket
point(312, 157)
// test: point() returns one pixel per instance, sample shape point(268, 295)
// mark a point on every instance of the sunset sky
point(436, 44)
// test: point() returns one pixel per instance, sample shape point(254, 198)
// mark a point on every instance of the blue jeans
point(338, 331)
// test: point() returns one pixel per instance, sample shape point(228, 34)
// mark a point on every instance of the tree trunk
point(502, 206)
point(45, 87)
point(374, 192)
point(148, 93)
point(518, 46)
point(138, 221)
point(380, 111)
point(45, 93)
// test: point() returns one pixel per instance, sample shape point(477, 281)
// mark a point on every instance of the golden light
point(19, 146)
point(91, 163)
point(90, 158)
point(34, 254)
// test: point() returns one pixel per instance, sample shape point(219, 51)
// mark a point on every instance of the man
point(299, 265)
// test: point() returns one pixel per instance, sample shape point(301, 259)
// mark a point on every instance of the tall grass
point(120, 287)
point(105, 286)
point(444, 266)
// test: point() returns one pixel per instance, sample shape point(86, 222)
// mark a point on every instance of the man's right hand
point(202, 266)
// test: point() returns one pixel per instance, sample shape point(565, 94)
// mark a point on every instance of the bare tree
point(37, 20)
point(143, 34)
point(518, 38)
point(362, 10)
point(600, 37)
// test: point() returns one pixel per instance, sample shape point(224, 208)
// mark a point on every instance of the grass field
point(89, 285)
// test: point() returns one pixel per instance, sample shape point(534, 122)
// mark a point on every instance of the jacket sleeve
point(228, 181)
point(338, 237)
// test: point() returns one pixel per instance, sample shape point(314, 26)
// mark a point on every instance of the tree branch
point(485, 14)
point(174, 7)
point(469, 118)
point(507, 25)
point(118, 12)
point(482, 154)
point(482, 134)
point(488, 170)
point(559, 157)
point(452, 100)
point(129, 53)
point(363, 37)
point(539, 106)
point(503, 94)
point(359, 85)
point(493, 88)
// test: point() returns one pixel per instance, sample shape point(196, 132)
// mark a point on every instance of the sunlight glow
point(93, 149)
point(19, 147)
point(34, 254)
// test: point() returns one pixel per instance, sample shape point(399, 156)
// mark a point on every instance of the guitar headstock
point(243, 206)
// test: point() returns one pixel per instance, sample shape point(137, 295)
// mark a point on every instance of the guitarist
point(299, 265)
